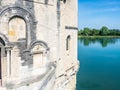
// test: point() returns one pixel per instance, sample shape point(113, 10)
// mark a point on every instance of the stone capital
point(8, 48)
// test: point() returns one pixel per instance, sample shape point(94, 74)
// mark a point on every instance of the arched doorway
point(0, 65)
point(2, 44)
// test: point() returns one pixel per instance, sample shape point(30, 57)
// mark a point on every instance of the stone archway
point(7, 14)
point(2, 52)
point(4, 43)
point(0, 65)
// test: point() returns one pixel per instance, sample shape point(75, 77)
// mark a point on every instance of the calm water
point(99, 64)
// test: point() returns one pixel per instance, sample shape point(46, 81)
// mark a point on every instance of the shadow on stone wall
point(27, 59)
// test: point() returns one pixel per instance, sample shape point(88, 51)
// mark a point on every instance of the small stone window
point(68, 42)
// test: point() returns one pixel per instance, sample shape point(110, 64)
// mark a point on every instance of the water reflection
point(99, 67)
point(103, 41)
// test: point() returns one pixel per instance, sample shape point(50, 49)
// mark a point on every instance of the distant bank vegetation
point(104, 31)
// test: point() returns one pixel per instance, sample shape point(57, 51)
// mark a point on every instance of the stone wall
point(67, 63)
point(34, 34)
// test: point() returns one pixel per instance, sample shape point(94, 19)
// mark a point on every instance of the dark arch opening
point(68, 42)
point(2, 41)
point(64, 1)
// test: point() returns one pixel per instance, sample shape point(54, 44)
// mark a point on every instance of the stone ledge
point(16, 83)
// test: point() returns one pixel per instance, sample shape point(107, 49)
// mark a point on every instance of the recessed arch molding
point(5, 39)
point(16, 11)
point(38, 42)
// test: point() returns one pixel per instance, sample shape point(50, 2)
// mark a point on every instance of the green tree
point(95, 32)
point(104, 30)
point(86, 31)
point(80, 32)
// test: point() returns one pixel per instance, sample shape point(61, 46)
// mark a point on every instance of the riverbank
point(98, 36)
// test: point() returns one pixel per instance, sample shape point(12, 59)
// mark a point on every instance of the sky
point(98, 13)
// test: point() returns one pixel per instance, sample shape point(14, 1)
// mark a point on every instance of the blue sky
point(98, 13)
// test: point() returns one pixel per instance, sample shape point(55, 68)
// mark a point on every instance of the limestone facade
point(38, 44)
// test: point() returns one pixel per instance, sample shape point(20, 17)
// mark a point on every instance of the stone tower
point(38, 44)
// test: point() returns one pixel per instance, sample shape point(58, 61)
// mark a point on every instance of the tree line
point(104, 31)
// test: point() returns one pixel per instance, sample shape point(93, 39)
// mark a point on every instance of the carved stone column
point(8, 49)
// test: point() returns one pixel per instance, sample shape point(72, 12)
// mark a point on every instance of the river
point(99, 64)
